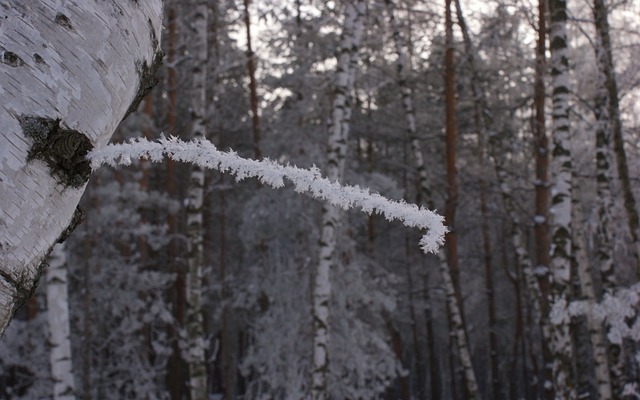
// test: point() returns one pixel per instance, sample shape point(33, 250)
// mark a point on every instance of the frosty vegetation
point(269, 172)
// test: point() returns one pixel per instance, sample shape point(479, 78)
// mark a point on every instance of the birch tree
point(607, 82)
point(196, 341)
point(59, 329)
point(347, 57)
point(607, 125)
point(561, 167)
point(70, 72)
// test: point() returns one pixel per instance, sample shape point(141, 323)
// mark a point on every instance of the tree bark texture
point(253, 91)
point(562, 169)
point(482, 127)
point(604, 56)
point(451, 274)
point(595, 328)
point(608, 126)
point(347, 56)
point(59, 328)
point(196, 340)
point(70, 72)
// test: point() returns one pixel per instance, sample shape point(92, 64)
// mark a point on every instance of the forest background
point(187, 284)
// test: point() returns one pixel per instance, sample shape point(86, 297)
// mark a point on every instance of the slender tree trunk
point(596, 333)
point(61, 99)
point(424, 193)
point(451, 274)
point(396, 345)
point(607, 123)
point(608, 82)
point(435, 382)
point(541, 219)
point(480, 106)
point(176, 376)
point(253, 93)
point(561, 165)
point(59, 329)
point(197, 343)
point(336, 152)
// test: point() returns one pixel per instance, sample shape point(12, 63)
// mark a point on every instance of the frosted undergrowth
point(269, 172)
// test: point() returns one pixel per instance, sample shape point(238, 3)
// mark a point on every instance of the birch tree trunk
point(480, 107)
point(69, 73)
point(452, 285)
point(606, 68)
point(336, 152)
point(605, 124)
point(196, 340)
point(561, 166)
point(59, 330)
point(453, 304)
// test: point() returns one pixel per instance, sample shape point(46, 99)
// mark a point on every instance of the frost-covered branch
point(269, 172)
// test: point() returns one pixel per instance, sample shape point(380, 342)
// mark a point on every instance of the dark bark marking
point(63, 150)
point(38, 59)
point(63, 21)
point(10, 58)
point(147, 73)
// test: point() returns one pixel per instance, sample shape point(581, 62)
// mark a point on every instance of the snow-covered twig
point(205, 154)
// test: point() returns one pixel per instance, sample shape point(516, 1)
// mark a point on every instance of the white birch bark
point(458, 328)
point(457, 323)
point(336, 153)
point(196, 340)
point(604, 131)
point(407, 105)
point(69, 72)
point(59, 331)
point(561, 196)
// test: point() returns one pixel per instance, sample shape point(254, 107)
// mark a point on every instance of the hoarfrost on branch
point(269, 172)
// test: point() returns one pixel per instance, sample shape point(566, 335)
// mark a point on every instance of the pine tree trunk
point(253, 92)
point(59, 329)
point(196, 339)
point(337, 149)
point(435, 382)
point(596, 334)
point(69, 74)
point(561, 166)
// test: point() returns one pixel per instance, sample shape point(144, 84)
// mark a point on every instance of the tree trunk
point(253, 92)
point(175, 377)
point(59, 329)
point(607, 125)
point(337, 148)
point(196, 340)
point(480, 106)
point(561, 166)
point(608, 80)
point(450, 274)
point(596, 334)
point(69, 74)
point(435, 382)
